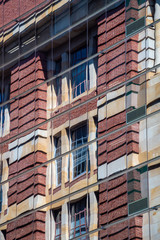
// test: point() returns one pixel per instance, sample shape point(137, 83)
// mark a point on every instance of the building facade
point(79, 119)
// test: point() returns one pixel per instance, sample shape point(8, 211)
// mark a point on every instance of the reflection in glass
point(78, 218)
point(80, 156)
point(137, 189)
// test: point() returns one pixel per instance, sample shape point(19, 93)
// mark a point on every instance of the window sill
point(57, 189)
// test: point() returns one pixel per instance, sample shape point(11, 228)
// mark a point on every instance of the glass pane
point(153, 126)
point(154, 224)
point(137, 189)
point(154, 185)
point(153, 82)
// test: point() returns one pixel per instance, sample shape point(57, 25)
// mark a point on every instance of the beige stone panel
point(61, 193)
point(149, 11)
point(49, 226)
point(48, 177)
point(154, 140)
point(142, 141)
point(78, 120)
point(92, 147)
point(145, 224)
point(93, 211)
point(64, 141)
point(92, 113)
point(53, 174)
point(43, 14)
point(77, 186)
point(49, 100)
point(78, 195)
point(154, 184)
point(60, 203)
point(3, 228)
point(64, 223)
point(116, 107)
point(155, 225)
point(11, 213)
point(5, 188)
point(132, 160)
point(40, 145)
point(93, 236)
point(102, 113)
point(117, 165)
point(92, 179)
point(61, 127)
point(92, 156)
point(70, 167)
point(59, 4)
point(65, 162)
point(142, 157)
point(5, 171)
point(39, 201)
point(154, 153)
point(153, 89)
point(153, 108)
point(141, 95)
point(50, 149)
point(116, 93)
point(65, 65)
point(141, 51)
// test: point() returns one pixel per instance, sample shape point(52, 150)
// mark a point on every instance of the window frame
point(57, 141)
point(76, 72)
point(57, 214)
point(73, 215)
point(75, 174)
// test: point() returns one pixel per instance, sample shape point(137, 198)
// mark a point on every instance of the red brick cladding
point(27, 228)
point(77, 112)
point(12, 9)
point(113, 196)
point(26, 112)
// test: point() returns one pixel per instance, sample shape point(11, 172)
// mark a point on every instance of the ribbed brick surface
point(113, 196)
point(26, 112)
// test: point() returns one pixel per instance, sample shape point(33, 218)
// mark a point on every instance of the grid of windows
point(108, 188)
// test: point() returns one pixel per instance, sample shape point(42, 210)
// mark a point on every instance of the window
point(78, 218)
point(57, 142)
point(79, 78)
point(80, 156)
point(57, 219)
point(4, 110)
point(1, 194)
point(58, 83)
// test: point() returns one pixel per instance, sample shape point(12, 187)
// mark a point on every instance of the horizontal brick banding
point(28, 227)
point(113, 201)
point(28, 110)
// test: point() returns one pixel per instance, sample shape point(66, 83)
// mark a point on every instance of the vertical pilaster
point(65, 78)
point(65, 148)
point(93, 215)
point(93, 146)
point(64, 223)
point(157, 34)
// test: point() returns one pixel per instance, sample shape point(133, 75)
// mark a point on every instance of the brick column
point(28, 191)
